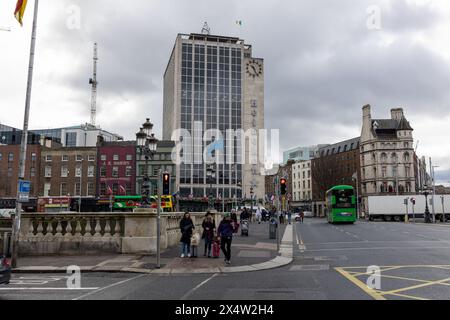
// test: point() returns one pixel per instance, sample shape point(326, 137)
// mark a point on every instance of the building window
point(115, 172)
point(128, 189)
point(65, 158)
point(103, 188)
point(103, 157)
point(129, 157)
point(91, 157)
point(9, 172)
point(77, 189)
point(394, 171)
point(128, 171)
point(103, 171)
point(91, 171)
point(406, 157)
point(63, 189)
point(1, 157)
point(115, 188)
point(64, 171)
point(78, 171)
point(383, 172)
point(10, 157)
point(48, 172)
point(48, 158)
point(79, 157)
point(33, 157)
point(33, 172)
point(116, 157)
point(90, 189)
point(71, 139)
point(407, 170)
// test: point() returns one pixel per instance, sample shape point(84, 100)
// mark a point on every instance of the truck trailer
point(393, 208)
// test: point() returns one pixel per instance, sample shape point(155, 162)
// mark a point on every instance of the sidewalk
point(253, 253)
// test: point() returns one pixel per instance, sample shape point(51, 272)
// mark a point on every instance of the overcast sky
point(322, 63)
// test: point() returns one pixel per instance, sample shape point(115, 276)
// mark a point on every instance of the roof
point(344, 146)
point(391, 124)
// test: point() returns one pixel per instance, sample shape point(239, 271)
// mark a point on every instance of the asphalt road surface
point(330, 262)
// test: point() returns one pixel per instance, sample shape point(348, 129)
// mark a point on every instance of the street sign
point(24, 190)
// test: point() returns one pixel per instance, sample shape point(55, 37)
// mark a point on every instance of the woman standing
point(186, 227)
point(209, 228)
point(225, 231)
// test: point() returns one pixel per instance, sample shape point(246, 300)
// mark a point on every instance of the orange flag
point(20, 10)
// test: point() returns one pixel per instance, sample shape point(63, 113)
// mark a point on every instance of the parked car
point(5, 270)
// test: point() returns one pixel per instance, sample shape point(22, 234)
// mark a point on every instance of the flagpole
point(24, 141)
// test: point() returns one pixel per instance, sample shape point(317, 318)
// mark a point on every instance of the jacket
point(208, 229)
point(225, 228)
point(186, 228)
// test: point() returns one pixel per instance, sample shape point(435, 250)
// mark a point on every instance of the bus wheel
point(397, 219)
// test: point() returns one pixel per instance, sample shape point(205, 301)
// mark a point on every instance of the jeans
point(225, 245)
point(185, 248)
point(208, 244)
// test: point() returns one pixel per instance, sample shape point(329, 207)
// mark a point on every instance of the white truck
point(393, 208)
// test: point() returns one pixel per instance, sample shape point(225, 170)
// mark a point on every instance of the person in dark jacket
point(225, 232)
point(186, 228)
point(245, 215)
point(209, 228)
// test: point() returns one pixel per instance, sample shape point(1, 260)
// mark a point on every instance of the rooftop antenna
point(206, 29)
point(93, 82)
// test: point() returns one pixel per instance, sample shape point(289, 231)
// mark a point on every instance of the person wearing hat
point(225, 232)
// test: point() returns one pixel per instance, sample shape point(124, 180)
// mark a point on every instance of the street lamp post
point(443, 209)
point(147, 146)
point(211, 175)
point(251, 201)
point(427, 210)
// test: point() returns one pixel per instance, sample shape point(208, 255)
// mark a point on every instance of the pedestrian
point(258, 214)
point(225, 233)
point(186, 228)
point(195, 242)
point(282, 218)
point(302, 215)
point(233, 215)
point(209, 228)
point(245, 215)
point(289, 216)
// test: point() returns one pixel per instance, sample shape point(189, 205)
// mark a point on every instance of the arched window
point(394, 158)
point(384, 157)
point(406, 157)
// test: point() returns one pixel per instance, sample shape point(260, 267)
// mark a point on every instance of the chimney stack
point(397, 114)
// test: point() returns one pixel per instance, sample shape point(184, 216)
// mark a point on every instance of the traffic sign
point(24, 190)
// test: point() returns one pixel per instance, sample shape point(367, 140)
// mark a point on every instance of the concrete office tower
point(215, 80)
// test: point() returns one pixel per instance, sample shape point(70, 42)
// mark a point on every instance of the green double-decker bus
point(341, 204)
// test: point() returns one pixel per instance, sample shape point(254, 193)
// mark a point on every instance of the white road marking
point(378, 248)
point(190, 292)
point(110, 286)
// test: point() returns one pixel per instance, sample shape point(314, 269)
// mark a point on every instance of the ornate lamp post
point(211, 176)
point(146, 144)
point(427, 210)
point(251, 201)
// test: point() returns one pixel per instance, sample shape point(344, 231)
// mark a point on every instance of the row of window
point(304, 174)
point(65, 190)
point(384, 172)
point(65, 171)
point(65, 157)
point(11, 157)
point(306, 195)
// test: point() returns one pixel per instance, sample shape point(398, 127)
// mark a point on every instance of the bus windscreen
point(343, 198)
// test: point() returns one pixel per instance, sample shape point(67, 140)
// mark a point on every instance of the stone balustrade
point(97, 233)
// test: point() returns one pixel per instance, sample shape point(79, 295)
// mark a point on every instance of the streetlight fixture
point(427, 210)
point(147, 145)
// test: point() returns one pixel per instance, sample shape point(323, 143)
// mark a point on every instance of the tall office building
point(215, 81)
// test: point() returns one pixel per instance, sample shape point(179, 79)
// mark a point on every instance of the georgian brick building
point(116, 168)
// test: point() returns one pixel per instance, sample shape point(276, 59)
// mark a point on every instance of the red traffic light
point(166, 177)
point(283, 181)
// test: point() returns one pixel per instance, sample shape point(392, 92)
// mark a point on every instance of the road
point(330, 262)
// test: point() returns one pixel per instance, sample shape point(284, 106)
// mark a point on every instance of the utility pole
point(434, 190)
point(158, 222)
point(24, 142)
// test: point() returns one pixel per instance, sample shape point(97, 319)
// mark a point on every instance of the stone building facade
point(387, 155)
point(301, 183)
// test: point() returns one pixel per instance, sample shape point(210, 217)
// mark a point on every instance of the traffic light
point(166, 184)
point(283, 184)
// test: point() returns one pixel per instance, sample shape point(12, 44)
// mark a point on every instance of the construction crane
point(93, 82)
